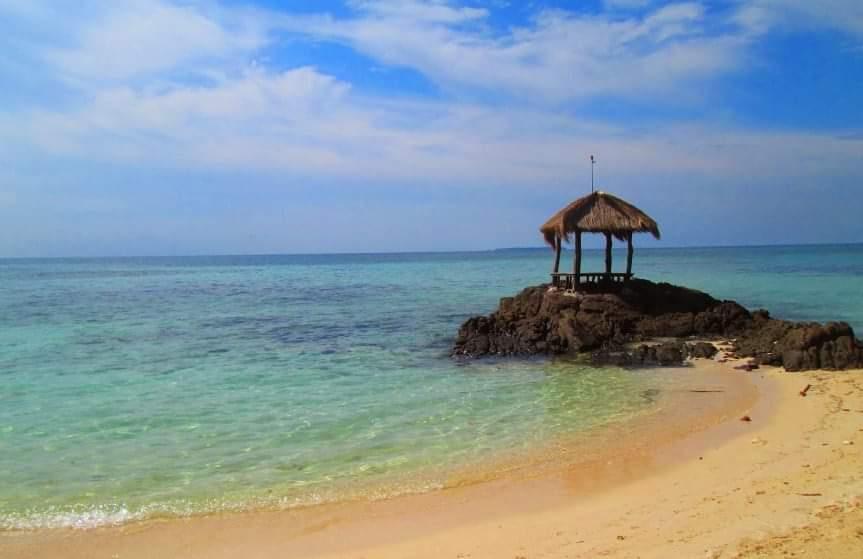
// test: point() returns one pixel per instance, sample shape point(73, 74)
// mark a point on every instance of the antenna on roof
point(592, 163)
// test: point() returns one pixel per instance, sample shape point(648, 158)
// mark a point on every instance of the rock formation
point(606, 321)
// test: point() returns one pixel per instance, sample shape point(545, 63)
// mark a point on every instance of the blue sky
point(241, 126)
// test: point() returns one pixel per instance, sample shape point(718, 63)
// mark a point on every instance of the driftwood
point(805, 390)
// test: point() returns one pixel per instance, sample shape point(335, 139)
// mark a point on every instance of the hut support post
point(629, 252)
point(577, 264)
point(608, 254)
point(557, 243)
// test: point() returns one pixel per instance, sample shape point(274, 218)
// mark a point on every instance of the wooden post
point(577, 263)
point(608, 254)
point(629, 252)
point(557, 243)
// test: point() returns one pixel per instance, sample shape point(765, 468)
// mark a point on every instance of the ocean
point(140, 387)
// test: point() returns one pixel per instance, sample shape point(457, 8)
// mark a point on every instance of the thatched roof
point(598, 212)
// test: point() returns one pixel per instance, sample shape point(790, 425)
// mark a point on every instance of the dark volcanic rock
point(602, 320)
point(701, 350)
point(671, 353)
point(802, 346)
point(665, 354)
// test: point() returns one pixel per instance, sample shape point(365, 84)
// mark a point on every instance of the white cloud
point(840, 15)
point(674, 20)
point(302, 123)
point(143, 37)
point(560, 56)
point(186, 122)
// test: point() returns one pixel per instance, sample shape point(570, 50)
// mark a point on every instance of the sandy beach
point(787, 483)
point(431, 279)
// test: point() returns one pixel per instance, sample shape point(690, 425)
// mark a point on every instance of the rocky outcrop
point(605, 321)
point(801, 346)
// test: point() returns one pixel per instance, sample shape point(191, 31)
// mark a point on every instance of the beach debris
point(746, 418)
point(705, 391)
point(811, 494)
point(805, 390)
point(621, 538)
point(847, 442)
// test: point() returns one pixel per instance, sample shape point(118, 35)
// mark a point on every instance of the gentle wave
point(88, 517)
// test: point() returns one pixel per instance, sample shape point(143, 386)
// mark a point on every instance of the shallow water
point(139, 387)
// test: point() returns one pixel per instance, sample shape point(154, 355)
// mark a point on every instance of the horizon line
point(408, 252)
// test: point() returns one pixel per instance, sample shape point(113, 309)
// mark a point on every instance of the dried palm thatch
point(598, 212)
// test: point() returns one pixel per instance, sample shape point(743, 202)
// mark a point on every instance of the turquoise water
point(139, 387)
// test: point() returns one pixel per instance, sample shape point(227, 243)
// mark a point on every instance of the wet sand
point(691, 481)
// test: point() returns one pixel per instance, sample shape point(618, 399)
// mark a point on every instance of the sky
point(171, 127)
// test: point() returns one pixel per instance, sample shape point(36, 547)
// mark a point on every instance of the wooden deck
point(572, 281)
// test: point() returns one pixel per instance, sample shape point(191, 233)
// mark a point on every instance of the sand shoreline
point(725, 489)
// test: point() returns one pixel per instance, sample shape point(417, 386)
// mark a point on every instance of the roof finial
point(592, 163)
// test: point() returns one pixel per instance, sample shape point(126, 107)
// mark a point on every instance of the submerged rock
point(604, 320)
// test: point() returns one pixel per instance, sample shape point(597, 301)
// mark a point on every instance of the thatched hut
point(598, 212)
